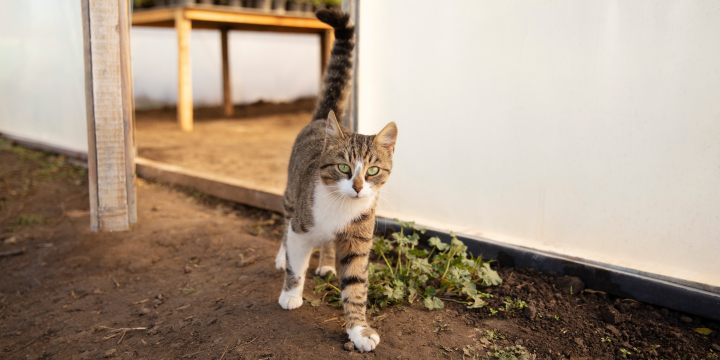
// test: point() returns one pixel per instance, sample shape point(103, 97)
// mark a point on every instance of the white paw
point(281, 258)
point(289, 302)
point(322, 271)
point(364, 338)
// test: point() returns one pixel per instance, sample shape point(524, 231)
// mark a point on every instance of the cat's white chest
point(332, 212)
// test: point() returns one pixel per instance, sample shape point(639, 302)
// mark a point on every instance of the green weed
point(24, 220)
point(516, 352)
point(405, 273)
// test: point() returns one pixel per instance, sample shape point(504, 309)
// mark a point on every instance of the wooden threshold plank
point(219, 186)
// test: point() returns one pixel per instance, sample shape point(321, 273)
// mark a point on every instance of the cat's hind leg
point(281, 257)
point(326, 264)
point(298, 252)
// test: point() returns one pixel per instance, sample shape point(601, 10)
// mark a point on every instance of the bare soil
point(254, 145)
point(177, 287)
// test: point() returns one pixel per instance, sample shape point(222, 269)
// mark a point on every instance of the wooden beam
point(184, 104)
point(107, 110)
point(254, 19)
point(227, 93)
point(128, 109)
point(219, 186)
point(327, 38)
point(149, 17)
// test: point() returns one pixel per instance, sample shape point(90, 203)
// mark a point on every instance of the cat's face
point(354, 165)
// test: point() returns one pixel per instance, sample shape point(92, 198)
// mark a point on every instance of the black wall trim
point(597, 277)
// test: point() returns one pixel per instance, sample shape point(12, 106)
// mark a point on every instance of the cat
point(334, 178)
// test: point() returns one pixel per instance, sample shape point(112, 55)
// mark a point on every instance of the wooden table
point(224, 19)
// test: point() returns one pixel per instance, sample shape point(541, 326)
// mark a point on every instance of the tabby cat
point(333, 182)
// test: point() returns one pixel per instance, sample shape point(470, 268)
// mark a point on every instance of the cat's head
point(358, 165)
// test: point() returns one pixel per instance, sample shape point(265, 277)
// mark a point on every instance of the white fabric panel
point(585, 128)
point(42, 83)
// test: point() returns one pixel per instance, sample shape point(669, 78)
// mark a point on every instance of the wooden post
point(128, 109)
point(106, 114)
point(90, 115)
point(227, 94)
point(326, 41)
point(184, 103)
point(350, 119)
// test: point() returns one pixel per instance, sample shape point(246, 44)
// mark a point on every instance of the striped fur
point(327, 208)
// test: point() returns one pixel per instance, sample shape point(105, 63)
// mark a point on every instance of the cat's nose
point(357, 188)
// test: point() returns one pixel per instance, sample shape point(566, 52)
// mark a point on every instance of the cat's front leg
point(298, 252)
point(354, 251)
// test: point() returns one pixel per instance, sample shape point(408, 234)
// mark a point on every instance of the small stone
point(10, 240)
point(155, 303)
point(716, 347)
point(611, 316)
point(685, 319)
point(349, 346)
point(156, 208)
point(188, 269)
point(570, 284)
point(615, 331)
point(247, 261)
point(579, 341)
point(110, 353)
point(160, 297)
point(530, 312)
point(144, 311)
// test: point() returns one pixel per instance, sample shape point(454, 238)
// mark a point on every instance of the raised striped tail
point(336, 81)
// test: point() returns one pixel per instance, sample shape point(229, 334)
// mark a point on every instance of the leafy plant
point(406, 273)
point(414, 270)
point(24, 220)
point(516, 352)
point(510, 306)
point(625, 353)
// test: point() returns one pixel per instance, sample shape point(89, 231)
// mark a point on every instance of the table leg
point(184, 103)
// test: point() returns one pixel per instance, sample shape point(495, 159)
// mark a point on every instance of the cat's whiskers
point(330, 204)
point(386, 199)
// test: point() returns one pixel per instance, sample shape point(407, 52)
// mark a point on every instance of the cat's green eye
point(373, 170)
point(344, 168)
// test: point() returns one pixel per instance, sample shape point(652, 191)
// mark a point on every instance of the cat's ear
point(387, 136)
point(332, 128)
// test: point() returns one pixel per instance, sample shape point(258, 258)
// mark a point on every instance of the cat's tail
point(338, 74)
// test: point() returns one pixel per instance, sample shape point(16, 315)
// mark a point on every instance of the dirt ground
point(254, 145)
point(195, 279)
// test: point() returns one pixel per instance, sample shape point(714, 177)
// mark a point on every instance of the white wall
point(42, 84)
point(589, 129)
point(263, 66)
